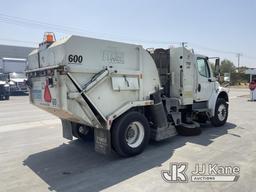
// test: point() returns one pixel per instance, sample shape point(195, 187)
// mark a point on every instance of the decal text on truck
point(75, 58)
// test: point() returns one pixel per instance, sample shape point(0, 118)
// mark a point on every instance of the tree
point(242, 69)
point(237, 77)
point(212, 66)
point(227, 66)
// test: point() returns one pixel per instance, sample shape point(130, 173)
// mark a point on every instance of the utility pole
point(238, 61)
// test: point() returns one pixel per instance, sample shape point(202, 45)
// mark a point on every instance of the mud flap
point(102, 141)
point(67, 129)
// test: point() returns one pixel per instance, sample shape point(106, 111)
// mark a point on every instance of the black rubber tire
point(118, 131)
point(215, 120)
point(85, 137)
point(7, 97)
point(184, 131)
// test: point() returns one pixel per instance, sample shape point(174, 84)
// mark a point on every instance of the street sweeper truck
point(122, 95)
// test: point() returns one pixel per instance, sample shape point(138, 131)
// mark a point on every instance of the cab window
point(203, 67)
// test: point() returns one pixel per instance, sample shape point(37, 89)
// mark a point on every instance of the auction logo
point(176, 173)
point(201, 173)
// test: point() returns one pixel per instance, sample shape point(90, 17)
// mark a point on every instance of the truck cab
point(205, 79)
point(189, 79)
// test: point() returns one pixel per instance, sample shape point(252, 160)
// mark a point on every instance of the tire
point(184, 131)
point(7, 97)
point(130, 134)
point(82, 132)
point(221, 113)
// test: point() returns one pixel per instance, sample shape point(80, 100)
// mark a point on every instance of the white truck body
point(132, 76)
point(10, 65)
point(15, 67)
point(94, 82)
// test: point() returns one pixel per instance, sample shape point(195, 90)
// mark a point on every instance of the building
point(12, 57)
point(251, 72)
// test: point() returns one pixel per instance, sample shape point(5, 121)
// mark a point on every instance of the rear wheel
point(82, 132)
point(221, 113)
point(130, 134)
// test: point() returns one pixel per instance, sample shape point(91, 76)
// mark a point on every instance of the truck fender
point(125, 108)
point(220, 93)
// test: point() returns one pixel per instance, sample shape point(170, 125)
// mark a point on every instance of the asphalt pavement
point(35, 157)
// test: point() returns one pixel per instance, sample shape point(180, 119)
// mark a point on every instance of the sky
point(221, 28)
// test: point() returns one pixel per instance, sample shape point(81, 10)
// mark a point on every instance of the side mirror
point(217, 67)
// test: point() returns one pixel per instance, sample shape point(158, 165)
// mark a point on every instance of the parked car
point(18, 83)
point(4, 87)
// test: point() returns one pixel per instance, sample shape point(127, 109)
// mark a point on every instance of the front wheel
point(130, 134)
point(221, 113)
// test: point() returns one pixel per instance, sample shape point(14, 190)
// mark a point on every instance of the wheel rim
point(222, 112)
point(134, 134)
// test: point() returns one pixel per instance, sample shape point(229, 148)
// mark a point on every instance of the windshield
point(17, 75)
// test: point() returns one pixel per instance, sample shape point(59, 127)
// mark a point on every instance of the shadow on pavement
point(76, 167)
point(19, 93)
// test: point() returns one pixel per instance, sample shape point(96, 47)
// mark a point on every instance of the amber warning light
point(49, 37)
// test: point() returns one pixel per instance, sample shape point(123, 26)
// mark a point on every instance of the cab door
point(205, 83)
